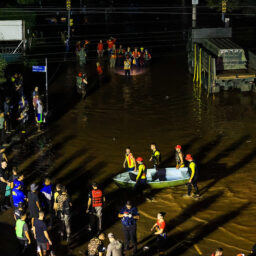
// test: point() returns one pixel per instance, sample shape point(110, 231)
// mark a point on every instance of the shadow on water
point(182, 241)
point(188, 212)
point(190, 237)
point(217, 172)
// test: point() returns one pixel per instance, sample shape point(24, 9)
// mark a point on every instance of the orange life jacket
point(97, 198)
point(99, 70)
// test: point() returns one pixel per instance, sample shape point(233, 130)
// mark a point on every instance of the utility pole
point(68, 6)
point(194, 4)
point(224, 10)
point(46, 84)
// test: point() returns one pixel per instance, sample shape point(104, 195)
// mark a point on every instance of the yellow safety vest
point(130, 161)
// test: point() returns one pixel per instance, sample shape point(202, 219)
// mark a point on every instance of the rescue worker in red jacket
point(136, 57)
point(99, 69)
point(96, 200)
point(100, 49)
point(110, 42)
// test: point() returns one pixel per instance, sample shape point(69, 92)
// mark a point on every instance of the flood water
point(86, 140)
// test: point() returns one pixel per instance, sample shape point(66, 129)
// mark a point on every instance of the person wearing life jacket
point(218, 252)
point(95, 203)
point(127, 67)
point(179, 157)
point(120, 56)
point(113, 57)
point(79, 80)
point(141, 179)
point(136, 56)
point(160, 232)
point(22, 233)
point(147, 57)
point(100, 49)
point(99, 69)
point(155, 156)
point(129, 160)
point(193, 173)
point(110, 42)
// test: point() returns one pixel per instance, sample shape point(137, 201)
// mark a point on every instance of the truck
point(217, 63)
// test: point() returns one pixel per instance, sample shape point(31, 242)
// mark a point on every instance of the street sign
point(68, 4)
point(196, 2)
point(38, 68)
point(224, 6)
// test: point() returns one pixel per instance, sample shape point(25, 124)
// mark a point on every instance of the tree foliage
point(3, 65)
point(231, 4)
point(25, 2)
point(18, 14)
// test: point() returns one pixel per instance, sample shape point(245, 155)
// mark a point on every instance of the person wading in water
point(193, 173)
point(179, 157)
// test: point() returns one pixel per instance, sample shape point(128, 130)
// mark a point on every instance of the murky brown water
point(87, 140)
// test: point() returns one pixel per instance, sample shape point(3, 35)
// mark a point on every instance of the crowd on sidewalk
point(17, 108)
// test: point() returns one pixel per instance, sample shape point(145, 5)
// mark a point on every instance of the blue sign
point(38, 68)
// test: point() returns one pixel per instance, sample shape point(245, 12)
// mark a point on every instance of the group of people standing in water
point(138, 166)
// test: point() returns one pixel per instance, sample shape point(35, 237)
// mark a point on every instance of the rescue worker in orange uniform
point(99, 69)
point(96, 200)
point(130, 160)
point(110, 42)
point(193, 173)
point(100, 49)
point(136, 57)
point(179, 157)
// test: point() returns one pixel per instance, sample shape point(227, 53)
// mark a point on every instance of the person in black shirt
point(3, 183)
point(41, 234)
point(33, 203)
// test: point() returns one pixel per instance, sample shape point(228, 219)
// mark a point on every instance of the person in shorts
point(33, 203)
point(41, 235)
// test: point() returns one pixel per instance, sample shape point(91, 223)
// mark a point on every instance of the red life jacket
point(97, 198)
point(99, 70)
point(100, 46)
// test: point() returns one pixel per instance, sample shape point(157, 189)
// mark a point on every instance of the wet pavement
point(86, 139)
